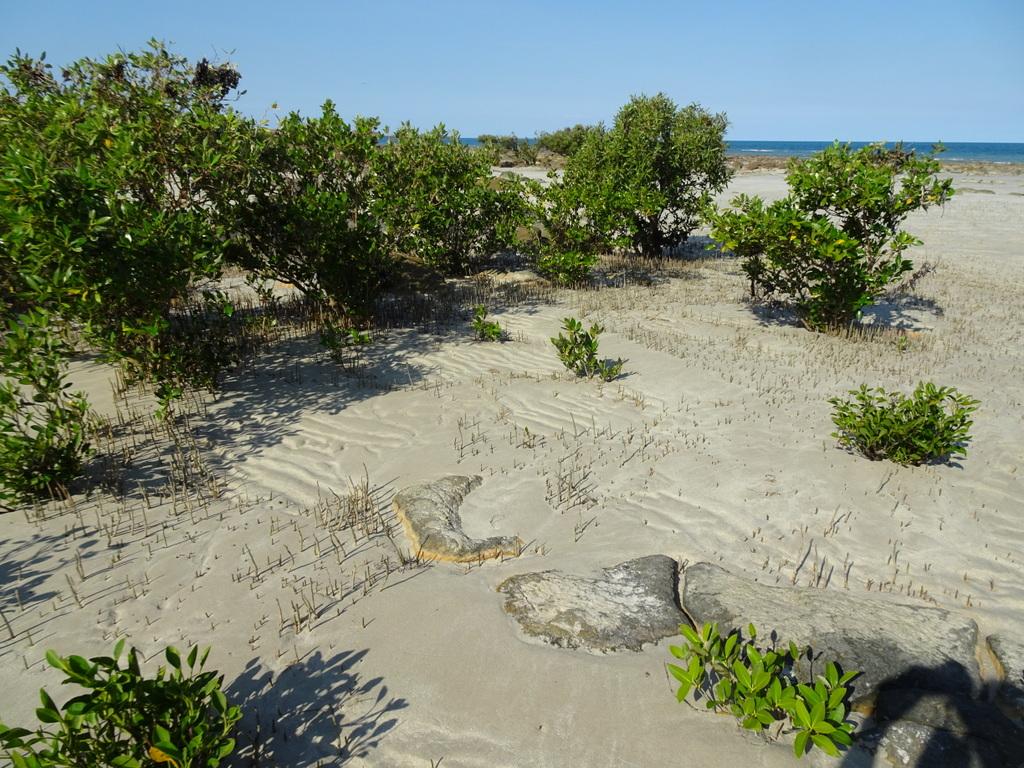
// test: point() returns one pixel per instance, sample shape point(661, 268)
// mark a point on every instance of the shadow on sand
point(950, 728)
point(905, 314)
point(319, 711)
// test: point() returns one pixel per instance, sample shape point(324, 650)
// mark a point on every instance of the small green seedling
point(931, 425)
point(486, 330)
point(336, 340)
point(760, 688)
point(578, 351)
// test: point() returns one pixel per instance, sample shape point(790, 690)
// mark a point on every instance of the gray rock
point(630, 604)
point(430, 517)
point(976, 726)
point(900, 645)
point(1009, 652)
point(909, 744)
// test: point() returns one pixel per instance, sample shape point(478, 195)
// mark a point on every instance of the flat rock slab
point(1009, 652)
point(898, 645)
point(628, 605)
point(430, 516)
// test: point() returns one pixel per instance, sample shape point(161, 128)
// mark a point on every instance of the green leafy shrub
point(43, 427)
point(644, 183)
point(486, 330)
point(760, 688)
point(526, 152)
point(569, 268)
point(567, 243)
point(438, 202)
point(109, 179)
point(522, 150)
point(126, 720)
point(308, 214)
point(578, 351)
point(565, 141)
point(507, 143)
point(834, 243)
point(931, 425)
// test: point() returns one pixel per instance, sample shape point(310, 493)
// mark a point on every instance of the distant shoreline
point(747, 162)
point(999, 153)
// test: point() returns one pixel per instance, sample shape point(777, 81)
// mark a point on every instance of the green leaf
point(173, 657)
point(679, 673)
point(817, 714)
point(800, 744)
point(55, 661)
point(730, 644)
point(825, 744)
point(161, 735)
point(690, 634)
point(842, 737)
point(800, 714)
point(809, 694)
point(46, 701)
point(836, 697)
point(741, 673)
point(79, 666)
point(46, 715)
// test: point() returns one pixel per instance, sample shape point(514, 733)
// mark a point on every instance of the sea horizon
point(955, 151)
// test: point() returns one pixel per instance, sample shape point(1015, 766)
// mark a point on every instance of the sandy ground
point(714, 446)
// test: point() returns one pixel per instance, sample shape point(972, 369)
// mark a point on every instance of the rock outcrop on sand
point(628, 605)
point(920, 681)
point(429, 513)
point(925, 647)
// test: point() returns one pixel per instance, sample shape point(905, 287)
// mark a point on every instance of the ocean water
point(967, 151)
point(973, 151)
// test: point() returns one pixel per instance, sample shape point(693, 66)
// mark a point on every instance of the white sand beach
point(714, 446)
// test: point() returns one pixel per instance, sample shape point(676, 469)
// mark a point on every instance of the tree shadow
point(904, 315)
point(904, 312)
point(775, 313)
point(257, 405)
point(318, 711)
point(622, 269)
point(698, 247)
point(929, 716)
point(26, 568)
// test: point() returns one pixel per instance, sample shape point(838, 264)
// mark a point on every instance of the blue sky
point(915, 70)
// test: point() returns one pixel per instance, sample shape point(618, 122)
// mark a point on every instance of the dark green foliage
point(439, 202)
point(307, 213)
point(337, 341)
point(759, 687)
point(565, 141)
point(486, 330)
point(522, 151)
point(506, 143)
point(127, 720)
point(833, 244)
point(931, 425)
point(578, 351)
point(568, 240)
point(568, 268)
point(645, 182)
point(43, 426)
point(105, 192)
